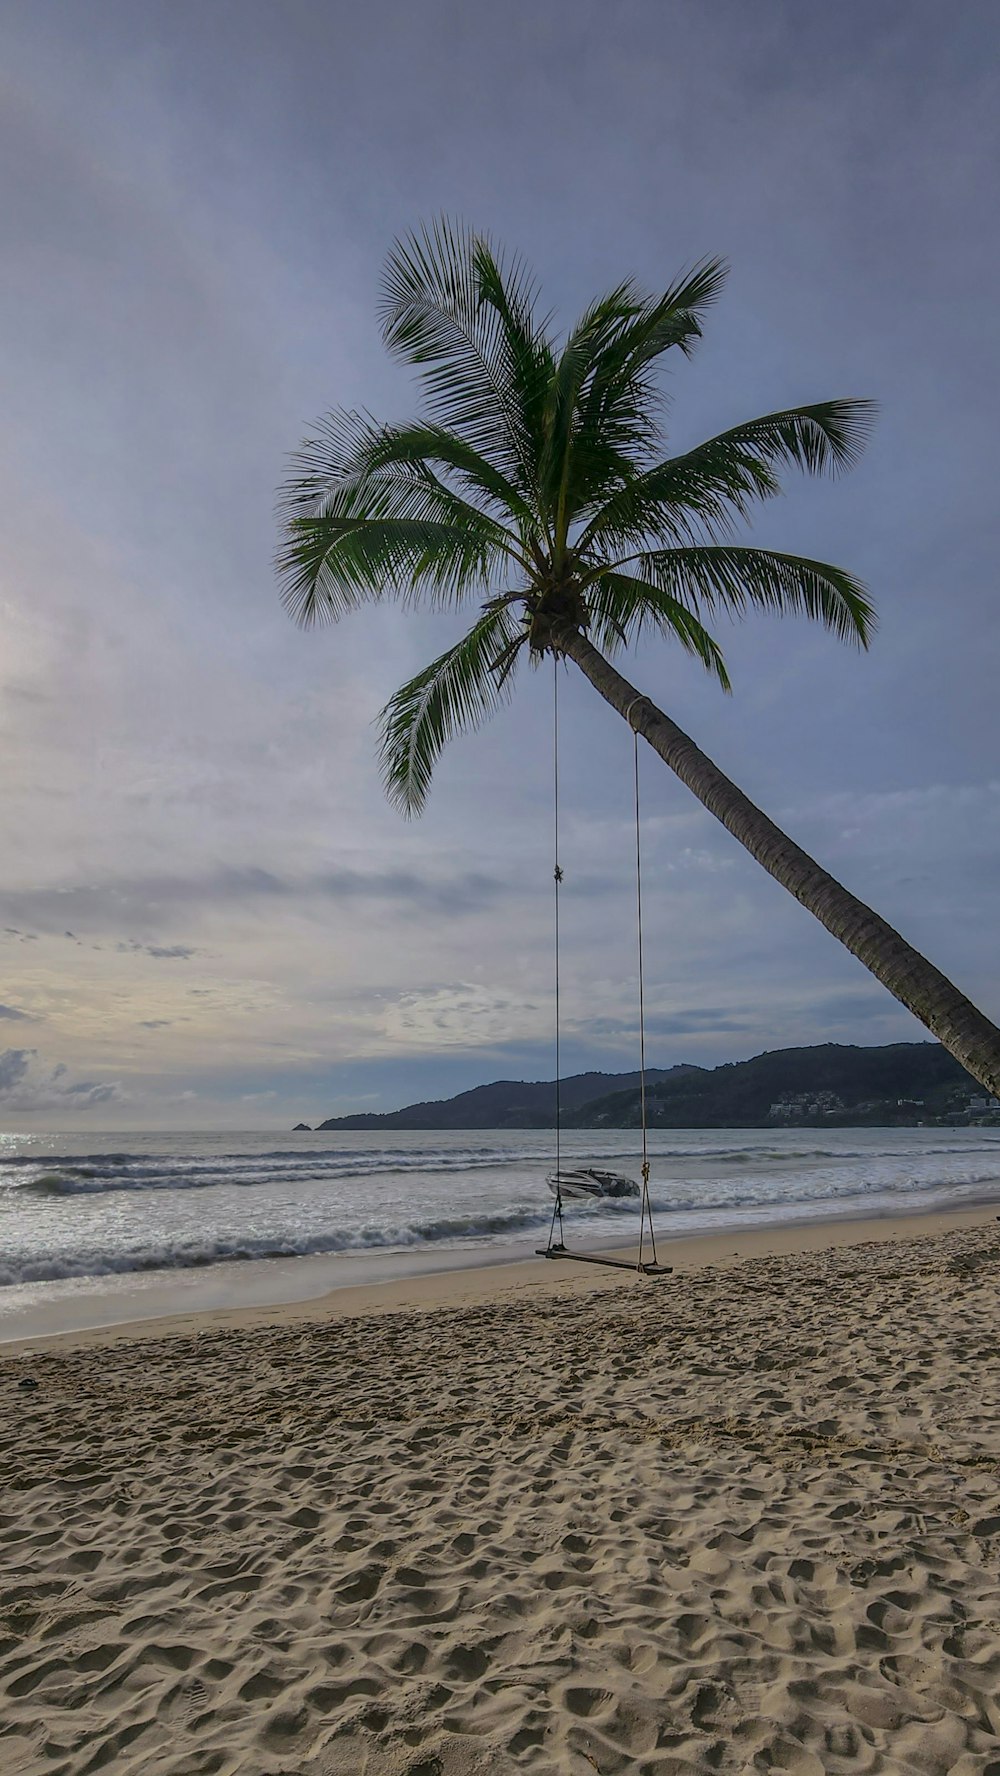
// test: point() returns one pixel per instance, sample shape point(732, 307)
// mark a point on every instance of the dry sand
point(745, 1518)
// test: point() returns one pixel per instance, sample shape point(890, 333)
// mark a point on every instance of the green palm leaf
point(354, 467)
point(332, 565)
point(456, 692)
point(603, 404)
point(718, 481)
point(620, 402)
point(562, 428)
point(436, 314)
point(621, 607)
point(733, 578)
point(420, 449)
point(673, 319)
point(367, 517)
point(507, 293)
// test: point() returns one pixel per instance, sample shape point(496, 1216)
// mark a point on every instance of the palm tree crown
point(537, 483)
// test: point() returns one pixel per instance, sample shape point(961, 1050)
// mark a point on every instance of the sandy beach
point(536, 1517)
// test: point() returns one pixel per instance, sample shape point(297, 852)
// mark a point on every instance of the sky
point(209, 916)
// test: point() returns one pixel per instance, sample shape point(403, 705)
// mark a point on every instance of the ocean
point(109, 1227)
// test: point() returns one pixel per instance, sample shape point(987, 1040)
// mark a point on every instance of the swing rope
point(646, 1209)
point(556, 1247)
point(557, 876)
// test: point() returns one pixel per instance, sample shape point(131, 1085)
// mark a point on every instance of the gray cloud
point(161, 952)
point(697, 1021)
point(11, 1011)
point(14, 1063)
point(852, 1010)
point(28, 1084)
point(156, 901)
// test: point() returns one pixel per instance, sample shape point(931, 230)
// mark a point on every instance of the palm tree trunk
point(914, 981)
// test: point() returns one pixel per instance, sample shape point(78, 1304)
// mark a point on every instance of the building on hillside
point(824, 1103)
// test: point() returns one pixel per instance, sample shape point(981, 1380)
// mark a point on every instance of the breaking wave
point(97, 1174)
point(189, 1254)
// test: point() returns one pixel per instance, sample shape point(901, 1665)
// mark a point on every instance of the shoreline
point(299, 1291)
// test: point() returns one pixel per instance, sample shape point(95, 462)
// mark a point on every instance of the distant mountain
point(829, 1085)
point(905, 1082)
point(508, 1103)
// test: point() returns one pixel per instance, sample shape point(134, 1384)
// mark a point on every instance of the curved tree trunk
point(914, 981)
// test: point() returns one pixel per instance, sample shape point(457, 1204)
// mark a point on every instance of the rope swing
point(556, 1247)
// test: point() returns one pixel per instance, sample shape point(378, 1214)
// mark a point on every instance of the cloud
point(466, 1013)
point(11, 1011)
point(154, 901)
point(14, 1064)
point(696, 1021)
point(853, 1010)
point(160, 952)
point(29, 1084)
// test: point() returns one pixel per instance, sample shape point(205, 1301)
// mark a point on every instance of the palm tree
point(536, 483)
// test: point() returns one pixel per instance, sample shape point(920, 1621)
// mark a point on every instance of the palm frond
point(621, 606)
point(434, 447)
point(335, 453)
point(719, 481)
point(563, 434)
point(354, 466)
point(733, 578)
point(828, 435)
point(456, 692)
point(620, 397)
point(695, 497)
point(434, 314)
point(364, 512)
point(660, 323)
point(329, 566)
point(508, 293)
point(610, 390)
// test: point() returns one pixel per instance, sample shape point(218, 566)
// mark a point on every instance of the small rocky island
point(302, 1128)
